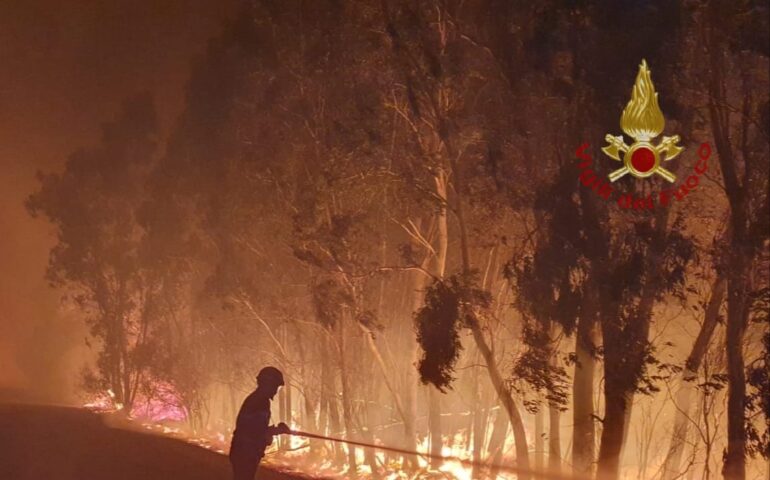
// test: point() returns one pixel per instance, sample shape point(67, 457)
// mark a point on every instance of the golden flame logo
point(642, 120)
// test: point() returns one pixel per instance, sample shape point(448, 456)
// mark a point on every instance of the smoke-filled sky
point(64, 69)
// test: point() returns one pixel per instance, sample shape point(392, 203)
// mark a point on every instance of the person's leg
point(256, 467)
point(244, 470)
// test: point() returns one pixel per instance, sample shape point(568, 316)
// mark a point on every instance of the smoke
point(66, 69)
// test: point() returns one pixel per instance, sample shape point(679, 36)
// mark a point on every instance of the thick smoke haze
point(64, 68)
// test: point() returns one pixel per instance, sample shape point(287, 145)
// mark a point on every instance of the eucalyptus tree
point(99, 259)
point(736, 46)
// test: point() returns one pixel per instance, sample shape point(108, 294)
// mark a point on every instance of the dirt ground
point(65, 443)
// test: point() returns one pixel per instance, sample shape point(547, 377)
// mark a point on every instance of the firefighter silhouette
point(253, 434)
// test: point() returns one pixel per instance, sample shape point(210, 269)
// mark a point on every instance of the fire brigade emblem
point(642, 120)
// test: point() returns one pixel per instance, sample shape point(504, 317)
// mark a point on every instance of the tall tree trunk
point(411, 378)
point(410, 406)
point(282, 415)
point(479, 422)
point(618, 389)
point(539, 440)
point(329, 401)
point(434, 403)
point(289, 417)
point(504, 394)
point(501, 388)
point(615, 405)
point(687, 382)
point(284, 398)
point(369, 453)
point(554, 434)
point(583, 443)
point(554, 439)
point(308, 401)
point(740, 254)
point(483, 403)
point(309, 422)
point(419, 280)
point(347, 404)
point(287, 388)
point(434, 425)
point(374, 349)
point(737, 291)
point(497, 441)
point(624, 362)
point(644, 318)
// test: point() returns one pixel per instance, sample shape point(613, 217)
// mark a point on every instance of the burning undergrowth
point(164, 415)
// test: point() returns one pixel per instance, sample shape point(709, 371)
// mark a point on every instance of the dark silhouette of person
point(252, 433)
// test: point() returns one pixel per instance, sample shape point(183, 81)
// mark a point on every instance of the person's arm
point(279, 429)
point(269, 431)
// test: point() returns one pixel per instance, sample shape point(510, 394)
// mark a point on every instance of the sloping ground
point(62, 443)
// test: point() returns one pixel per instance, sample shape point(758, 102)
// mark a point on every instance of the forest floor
point(66, 443)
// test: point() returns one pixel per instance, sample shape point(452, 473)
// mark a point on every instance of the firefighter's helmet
point(270, 376)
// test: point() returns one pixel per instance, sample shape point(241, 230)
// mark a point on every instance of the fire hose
point(452, 458)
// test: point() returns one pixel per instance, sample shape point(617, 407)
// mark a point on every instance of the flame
point(642, 119)
point(105, 402)
point(158, 415)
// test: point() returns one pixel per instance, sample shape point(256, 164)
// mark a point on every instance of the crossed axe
point(668, 145)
